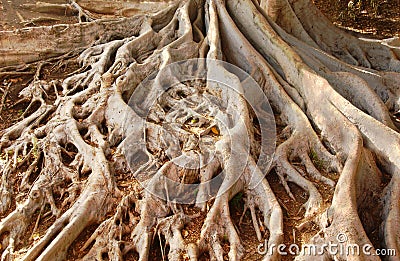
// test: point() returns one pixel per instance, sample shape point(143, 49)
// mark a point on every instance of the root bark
point(99, 149)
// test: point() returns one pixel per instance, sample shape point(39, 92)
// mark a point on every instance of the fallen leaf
point(215, 130)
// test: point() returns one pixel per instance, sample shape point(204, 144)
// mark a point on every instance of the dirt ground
point(380, 21)
point(373, 18)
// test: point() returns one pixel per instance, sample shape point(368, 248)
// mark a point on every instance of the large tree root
point(122, 142)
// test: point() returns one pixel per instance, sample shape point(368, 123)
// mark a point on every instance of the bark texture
point(68, 161)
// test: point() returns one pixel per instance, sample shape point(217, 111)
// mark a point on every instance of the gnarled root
point(123, 142)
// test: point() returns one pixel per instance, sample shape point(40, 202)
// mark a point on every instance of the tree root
point(123, 141)
point(43, 7)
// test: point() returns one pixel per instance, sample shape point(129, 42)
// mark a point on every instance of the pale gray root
point(87, 154)
point(99, 190)
point(206, 174)
point(50, 8)
point(392, 216)
point(287, 172)
point(384, 58)
point(348, 146)
point(17, 222)
point(126, 9)
point(258, 192)
point(98, 9)
point(22, 46)
point(4, 95)
point(369, 90)
point(168, 224)
point(27, 145)
point(83, 15)
point(297, 145)
point(354, 51)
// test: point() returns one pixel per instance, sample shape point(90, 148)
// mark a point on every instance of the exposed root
point(129, 137)
point(83, 15)
point(4, 96)
point(43, 7)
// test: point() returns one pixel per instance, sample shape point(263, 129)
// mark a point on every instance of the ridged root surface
point(66, 166)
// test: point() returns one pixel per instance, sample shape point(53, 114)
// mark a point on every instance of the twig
point(3, 99)
point(40, 19)
point(294, 236)
point(2, 74)
point(162, 248)
point(284, 206)
point(20, 17)
point(37, 222)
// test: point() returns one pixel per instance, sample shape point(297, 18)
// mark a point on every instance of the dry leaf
point(215, 130)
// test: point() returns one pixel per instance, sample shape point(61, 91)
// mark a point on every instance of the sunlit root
point(123, 153)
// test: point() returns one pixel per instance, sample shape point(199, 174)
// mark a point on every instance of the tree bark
point(124, 142)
